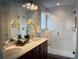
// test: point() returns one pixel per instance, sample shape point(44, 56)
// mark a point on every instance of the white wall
point(62, 22)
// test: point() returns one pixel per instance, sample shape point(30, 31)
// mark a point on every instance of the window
point(43, 20)
point(51, 25)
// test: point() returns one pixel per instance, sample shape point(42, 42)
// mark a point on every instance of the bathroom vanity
point(35, 49)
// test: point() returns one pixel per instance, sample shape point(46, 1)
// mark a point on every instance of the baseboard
point(61, 53)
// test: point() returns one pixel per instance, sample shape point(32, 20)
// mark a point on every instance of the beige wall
point(5, 21)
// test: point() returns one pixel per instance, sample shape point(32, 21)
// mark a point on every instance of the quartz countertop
point(24, 49)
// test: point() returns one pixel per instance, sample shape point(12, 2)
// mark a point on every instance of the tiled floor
point(51, 56)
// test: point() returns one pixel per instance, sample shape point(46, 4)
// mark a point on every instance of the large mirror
point(18, 20)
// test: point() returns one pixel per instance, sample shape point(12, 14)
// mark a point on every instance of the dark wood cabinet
point(43, 51)
point(40, 52)
point(36, 53)
point(26, 56)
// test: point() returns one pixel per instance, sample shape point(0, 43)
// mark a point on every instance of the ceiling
point(48, 3)
point(52, 3)
point(24, 1)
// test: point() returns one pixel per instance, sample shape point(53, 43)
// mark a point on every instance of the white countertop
point(23, 49)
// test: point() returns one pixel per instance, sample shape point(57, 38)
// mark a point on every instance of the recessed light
point(58, 3)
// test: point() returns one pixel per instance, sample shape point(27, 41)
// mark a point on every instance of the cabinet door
point(43, 51)
point(26, 56)
point(35, 53)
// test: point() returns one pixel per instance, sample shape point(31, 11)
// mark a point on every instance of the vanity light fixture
point(30, 5)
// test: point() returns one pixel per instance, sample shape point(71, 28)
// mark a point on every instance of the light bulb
point(28, 4)
point(23, 5)
point(32, 7)
point(28, 7)
point(36, 7)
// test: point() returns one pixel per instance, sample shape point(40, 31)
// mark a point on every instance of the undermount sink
point(9, 53)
